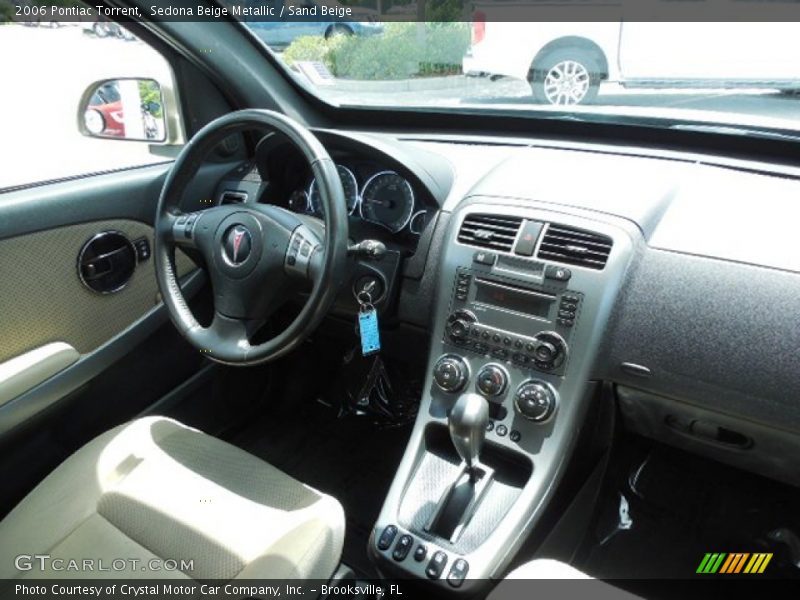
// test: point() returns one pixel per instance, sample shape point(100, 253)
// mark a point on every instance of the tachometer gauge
point(349, 185)
point(387, 199)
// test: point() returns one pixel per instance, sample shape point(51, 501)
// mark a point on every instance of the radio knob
point(535, 400)
point(458, 324)
point(550, 350)
point(545, 352)
point(491, 380)
point(451, 373)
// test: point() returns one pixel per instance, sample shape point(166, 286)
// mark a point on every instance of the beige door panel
point(42, 300)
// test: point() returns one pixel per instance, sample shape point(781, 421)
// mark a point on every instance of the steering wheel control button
point(189, 227)
point(301, 249)
point(501, 430)
point(482, 257)
point(536, 400)
point(387, 537)
point(492, 380)
point(402, 547)
point(557, 273)
point(420, 553)
point(451, 373)
point(515, 435)
point(490, 426)
point(458, 572)
point(436, 565)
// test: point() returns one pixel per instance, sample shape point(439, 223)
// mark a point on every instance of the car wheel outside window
point(566, 78)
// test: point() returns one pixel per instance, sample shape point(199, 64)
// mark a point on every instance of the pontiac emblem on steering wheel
point(237, 245)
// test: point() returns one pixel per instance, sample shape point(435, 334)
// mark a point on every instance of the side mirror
point(126, 109)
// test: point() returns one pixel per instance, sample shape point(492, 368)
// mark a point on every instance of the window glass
point(482, 56)
point(49, 68)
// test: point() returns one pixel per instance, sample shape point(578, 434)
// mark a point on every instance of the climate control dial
point(492, 380)
point(536, 400)
point(451, 373)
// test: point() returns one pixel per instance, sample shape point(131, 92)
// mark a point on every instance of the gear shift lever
point(467, 422)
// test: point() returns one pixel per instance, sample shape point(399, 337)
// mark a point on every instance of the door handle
point(106, 262)
point(103, 264)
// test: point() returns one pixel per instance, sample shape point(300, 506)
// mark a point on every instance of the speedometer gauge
point(387, 199)
point(349, 185)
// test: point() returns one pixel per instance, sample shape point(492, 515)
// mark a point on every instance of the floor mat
point(663, 509)
point(348, 458)
point(345, 455)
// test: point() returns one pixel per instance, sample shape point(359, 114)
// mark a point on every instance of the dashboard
point(691, 321)
point(652, 273)
point(539, 268)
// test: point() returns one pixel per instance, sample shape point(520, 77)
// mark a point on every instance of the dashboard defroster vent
point(496, 232)
point(575, 247)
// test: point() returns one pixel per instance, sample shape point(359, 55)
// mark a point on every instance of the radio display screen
point(513, 298)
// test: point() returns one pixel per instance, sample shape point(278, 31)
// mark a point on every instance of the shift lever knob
point(467, 422)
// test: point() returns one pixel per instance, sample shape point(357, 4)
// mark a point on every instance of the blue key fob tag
point(368, 329)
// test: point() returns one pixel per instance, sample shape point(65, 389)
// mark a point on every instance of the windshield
point(739, 76)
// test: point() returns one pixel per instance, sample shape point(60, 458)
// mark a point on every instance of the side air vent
point(575, 247)
point(496, 232)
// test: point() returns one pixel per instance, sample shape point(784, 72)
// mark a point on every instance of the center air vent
point(496, 232)
point(575, 247)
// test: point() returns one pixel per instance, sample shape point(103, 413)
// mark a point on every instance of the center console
point(524, 299)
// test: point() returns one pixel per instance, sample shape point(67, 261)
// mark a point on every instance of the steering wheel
point(256, 255)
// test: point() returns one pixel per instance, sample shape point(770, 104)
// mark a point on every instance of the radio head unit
point(508, 319)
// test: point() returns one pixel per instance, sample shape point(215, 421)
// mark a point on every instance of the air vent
point(496, 232)
point(233, 197)
point(575, 247)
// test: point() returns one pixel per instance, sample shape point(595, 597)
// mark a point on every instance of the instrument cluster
point(381, 197)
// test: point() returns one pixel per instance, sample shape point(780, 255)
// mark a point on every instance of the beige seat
point(546, 568)
point(156, 489)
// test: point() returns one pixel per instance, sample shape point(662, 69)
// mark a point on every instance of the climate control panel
point(531, 399)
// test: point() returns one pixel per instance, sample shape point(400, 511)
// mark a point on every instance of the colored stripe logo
point(734, 563)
